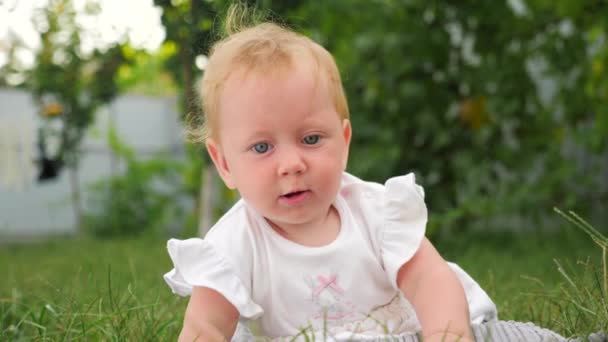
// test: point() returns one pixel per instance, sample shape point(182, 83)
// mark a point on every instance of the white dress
point(345, 289)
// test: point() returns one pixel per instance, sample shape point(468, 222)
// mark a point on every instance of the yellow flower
point(473, 112)
point(52, 109)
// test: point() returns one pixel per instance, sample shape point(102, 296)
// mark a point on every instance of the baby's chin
point(295, 217)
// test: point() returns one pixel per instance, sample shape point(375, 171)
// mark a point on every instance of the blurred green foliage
point(150, 196)
point(500, 108)
point(145, 73)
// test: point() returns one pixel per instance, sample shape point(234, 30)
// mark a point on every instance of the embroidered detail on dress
point(329, 299)
point(395, 317)
point(384, 322)
point(324, 282)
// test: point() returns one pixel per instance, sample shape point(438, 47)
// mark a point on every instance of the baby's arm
point(436, 294)
point(209, 317)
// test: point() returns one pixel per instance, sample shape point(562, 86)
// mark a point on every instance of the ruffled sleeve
point(197, 263)
point(404, 223)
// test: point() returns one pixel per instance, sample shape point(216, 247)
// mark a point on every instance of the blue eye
point(311, 139)
point(260, 148)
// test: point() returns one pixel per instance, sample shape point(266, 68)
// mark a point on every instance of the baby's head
point(276, 122)
point(262, 50)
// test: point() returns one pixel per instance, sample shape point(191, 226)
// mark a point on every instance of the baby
point(309, 250)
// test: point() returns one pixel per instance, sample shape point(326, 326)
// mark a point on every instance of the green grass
point(556, 280)
point(87, 289)
point(113, 290)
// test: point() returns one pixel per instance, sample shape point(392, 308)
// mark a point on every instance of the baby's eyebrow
point(258, 134)
point(254, 138)
point(315, 121)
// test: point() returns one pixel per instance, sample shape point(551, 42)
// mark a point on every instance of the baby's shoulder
point(374, 194)
point(354, 188)
point(234, 232)
point(361, 196)
point(373, 202)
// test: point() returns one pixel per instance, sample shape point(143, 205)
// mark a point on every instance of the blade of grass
point(597, 237)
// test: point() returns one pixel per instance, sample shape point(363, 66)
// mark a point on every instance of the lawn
point(87, 289)
point(112, 290)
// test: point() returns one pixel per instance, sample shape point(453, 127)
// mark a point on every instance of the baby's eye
point(311, 139)
point(260, 148)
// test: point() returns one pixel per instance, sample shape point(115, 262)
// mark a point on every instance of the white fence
point(32, 209)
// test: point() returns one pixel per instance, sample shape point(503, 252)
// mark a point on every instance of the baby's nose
point(291, 163)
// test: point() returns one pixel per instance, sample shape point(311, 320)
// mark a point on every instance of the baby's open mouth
point(293, 194)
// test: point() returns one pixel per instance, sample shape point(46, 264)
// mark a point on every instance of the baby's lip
point(294, 193)
point(294, 198)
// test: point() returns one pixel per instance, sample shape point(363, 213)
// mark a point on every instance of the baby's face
point(281, 144)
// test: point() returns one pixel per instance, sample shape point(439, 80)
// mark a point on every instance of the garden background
point(499, 107)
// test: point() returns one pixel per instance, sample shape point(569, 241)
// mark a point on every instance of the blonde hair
point(261, 49)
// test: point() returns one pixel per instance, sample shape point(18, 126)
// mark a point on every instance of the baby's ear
point(347, 135)
point(217, 155)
